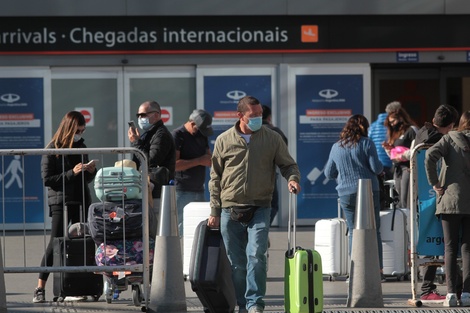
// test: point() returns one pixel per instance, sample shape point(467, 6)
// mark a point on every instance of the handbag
point(159, 175)
point(243, 214)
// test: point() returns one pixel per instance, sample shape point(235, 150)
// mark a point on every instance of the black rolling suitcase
point(78, 252)
point(210, 273)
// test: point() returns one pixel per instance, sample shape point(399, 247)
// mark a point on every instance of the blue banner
point(221, 96)
point(21, 127)
point(323, 105)
point(430, 235)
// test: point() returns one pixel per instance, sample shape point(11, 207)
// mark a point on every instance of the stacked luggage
point(116, 226)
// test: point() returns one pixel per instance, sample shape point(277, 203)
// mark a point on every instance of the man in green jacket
point(241, 187)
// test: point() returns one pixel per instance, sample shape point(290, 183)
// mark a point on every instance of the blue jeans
point(348, 205)
point(246, 246)
point(182, 199)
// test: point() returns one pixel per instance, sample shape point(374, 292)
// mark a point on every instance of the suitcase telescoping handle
point(291, 226)
point(66, 215)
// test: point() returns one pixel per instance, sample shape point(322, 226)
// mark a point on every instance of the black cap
point(203, 121)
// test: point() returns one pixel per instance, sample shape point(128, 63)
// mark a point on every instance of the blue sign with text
point(21, 127)
point(323, 105)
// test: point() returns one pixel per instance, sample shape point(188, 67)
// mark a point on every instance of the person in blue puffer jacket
point(378, 134)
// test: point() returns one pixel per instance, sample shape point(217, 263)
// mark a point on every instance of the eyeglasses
point(80, 131)
point(145, 114)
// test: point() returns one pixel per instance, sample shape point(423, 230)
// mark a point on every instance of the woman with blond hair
point(354, 157)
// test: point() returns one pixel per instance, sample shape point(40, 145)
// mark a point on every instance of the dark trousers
point(429, 274)
point(57, 231)
point(274, 202)
point(456, 229)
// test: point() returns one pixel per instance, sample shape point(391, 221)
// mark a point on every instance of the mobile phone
point(93, 161)
point(131, 125)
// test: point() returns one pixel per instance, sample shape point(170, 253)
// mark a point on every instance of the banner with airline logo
point(21, 127)
point(325, 96)
point(222, 88)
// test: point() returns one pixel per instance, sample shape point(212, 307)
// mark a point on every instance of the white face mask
point(144, 123)
point(76, 137)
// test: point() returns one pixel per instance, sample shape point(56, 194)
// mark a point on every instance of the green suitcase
point(303, 278)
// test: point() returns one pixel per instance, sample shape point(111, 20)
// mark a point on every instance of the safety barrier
point(7, 179)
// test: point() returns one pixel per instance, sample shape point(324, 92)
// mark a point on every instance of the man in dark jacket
point(156, 142)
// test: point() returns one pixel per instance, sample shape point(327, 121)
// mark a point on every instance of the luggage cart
point(416, 261)
point(120, 252)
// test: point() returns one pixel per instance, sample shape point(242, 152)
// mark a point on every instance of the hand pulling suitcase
point(75, 252)
point(303, 278)
point(331, 241)
point(210, 273)
point(114, 183)
point(394, 243)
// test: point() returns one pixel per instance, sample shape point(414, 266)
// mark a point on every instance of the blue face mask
point(144, 123)
point(254, 123)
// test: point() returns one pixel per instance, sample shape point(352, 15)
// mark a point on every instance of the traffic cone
point(365, 287)
point(167, 293)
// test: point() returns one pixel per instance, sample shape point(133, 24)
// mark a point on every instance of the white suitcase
point(193, 214)
point(331, 241)
point(395, 243)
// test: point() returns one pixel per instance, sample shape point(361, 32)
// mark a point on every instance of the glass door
point(417, 89)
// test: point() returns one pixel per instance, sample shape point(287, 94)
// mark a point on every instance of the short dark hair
point(266, 111)
point(244, 102)
point(445, 115)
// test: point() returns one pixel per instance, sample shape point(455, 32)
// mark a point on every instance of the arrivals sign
point(231, 34)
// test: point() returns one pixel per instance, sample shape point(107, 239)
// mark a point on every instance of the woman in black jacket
point(73, 172)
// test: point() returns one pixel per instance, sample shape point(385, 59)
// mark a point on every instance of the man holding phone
point(156, 142)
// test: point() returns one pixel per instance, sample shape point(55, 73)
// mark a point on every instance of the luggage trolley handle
point(291, 226)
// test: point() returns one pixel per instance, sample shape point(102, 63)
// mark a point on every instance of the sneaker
point(39, 295)
point(433, 296)
point(450, 300)
point(465, 299)
point(255, 309)
point(116, 294)
point(242, 310)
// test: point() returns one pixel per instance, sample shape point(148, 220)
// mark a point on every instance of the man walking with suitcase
point(241, 188)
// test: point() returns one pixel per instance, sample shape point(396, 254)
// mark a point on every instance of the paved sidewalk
point(20, 287)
